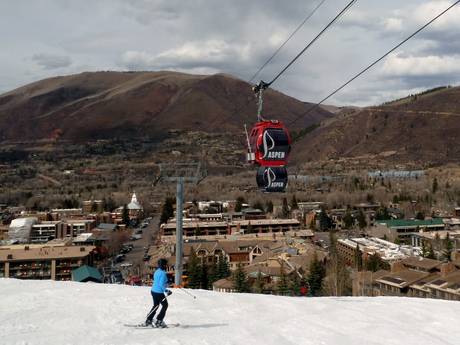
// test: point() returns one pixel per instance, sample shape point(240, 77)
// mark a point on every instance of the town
point(293, 248)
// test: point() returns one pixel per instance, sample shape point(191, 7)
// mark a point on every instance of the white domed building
point(134, 207)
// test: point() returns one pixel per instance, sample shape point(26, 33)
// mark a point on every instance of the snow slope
point(57, 313)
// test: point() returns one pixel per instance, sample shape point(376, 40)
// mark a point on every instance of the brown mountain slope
point(98, 105)
point(423, 128)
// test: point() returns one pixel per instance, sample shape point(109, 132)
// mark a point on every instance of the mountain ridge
point(97, 105)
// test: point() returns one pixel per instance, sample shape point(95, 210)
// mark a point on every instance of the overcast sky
point(45, 38)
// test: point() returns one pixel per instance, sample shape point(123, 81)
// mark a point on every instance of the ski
point(141, 326)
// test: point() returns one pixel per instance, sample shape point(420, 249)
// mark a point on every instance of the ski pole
point(188, 293)
point(154, 309)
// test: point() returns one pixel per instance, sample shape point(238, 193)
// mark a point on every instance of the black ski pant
point(158, 298)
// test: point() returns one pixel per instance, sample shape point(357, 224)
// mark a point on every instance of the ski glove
point(168, 292)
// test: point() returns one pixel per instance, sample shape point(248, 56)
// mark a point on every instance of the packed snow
point(57, 313)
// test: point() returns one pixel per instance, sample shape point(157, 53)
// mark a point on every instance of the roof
point(403, 278)
point(253, 222)
point(225, 283)
point(403, 223)
point(107, 226)
point(84, 272)
point(83, 237)
point(19, 253)
point(19, 222)
point(420, 262)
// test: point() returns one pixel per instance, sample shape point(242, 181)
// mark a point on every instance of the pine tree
point(430, 254)
point(204, 276)
point(294, 205)
point(223, 267)
point(167, 210)
point(259, 283)
point(193, 270)
point(382, 214)
point(258, 206)
point(213, 272)
point(125, 215)
point(109, 204)
point(448, 248)
point(434, 187)
point(348, 220)
point(240, 280)
point(269, 206)
point(249, 229)
point(361, 220)
point(325, 223)
point(239, 204)
point(424, 249)
point(375, 263)
point(358, 258)
point(285, 209)
point(282, 285)
point(316, 276)
point(295, 285)
point(420, 215)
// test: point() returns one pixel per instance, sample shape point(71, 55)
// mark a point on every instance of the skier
point(159, 293)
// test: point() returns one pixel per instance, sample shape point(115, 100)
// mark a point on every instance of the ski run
point(58, 313)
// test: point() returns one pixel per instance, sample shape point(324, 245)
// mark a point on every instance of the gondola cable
point(375, 62)
point(337, 17)
point(287, 40)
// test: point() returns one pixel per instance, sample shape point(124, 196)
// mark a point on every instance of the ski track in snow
point(58, 313)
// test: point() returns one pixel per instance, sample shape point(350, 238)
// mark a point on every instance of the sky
point(46, 312)
point(46, 38)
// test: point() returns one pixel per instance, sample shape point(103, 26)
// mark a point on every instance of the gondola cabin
point(272, 179)
point(269, 144)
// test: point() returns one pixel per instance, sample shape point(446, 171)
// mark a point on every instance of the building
point(224, 285)
point(135, 209)
point(43, 261)
point(85, 274)
point(66, 213)
point(403, 228)
point(412, 277)
point(4, 232)
point(457, 211)
point(387, 251)
point(260, 226)
point(93, 206)
point(20, 229)
point(46, 231)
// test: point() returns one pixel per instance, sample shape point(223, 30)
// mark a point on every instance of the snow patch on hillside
point(56, 313)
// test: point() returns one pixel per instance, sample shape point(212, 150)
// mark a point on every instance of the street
point(140, 247)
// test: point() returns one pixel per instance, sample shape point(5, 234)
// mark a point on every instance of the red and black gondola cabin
point(270, 144)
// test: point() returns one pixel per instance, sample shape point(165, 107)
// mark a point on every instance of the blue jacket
point(160, 281)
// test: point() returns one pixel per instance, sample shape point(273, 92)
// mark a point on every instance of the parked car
point(114, 277)
point(135, 237)
point(119, 258)
point(135, 280)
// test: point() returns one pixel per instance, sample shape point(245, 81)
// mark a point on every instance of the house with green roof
point(85, 274)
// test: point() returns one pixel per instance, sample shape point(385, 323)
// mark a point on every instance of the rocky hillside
point(106, 105)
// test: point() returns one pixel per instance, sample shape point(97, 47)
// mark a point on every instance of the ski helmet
point(162, 263)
